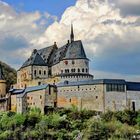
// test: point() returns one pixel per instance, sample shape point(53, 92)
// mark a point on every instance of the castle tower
point(2, 84)
point(72, 34)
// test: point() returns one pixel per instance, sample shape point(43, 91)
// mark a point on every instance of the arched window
point(44, 72)
point(73, 62)
point(40, 72)
point(86, 70)
point(66, 70)
point(34, 72)
point(78, 70)
point(83, 70)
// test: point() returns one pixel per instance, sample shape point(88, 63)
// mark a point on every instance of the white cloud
point(111, 39)
point(106, 34)
point(20, 27)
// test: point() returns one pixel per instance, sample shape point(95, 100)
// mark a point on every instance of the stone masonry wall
point(85, 96)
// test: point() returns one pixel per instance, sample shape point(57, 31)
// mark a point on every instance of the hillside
point(70, 124)
point(9, 74)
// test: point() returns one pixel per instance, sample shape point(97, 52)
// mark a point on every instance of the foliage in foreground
point(68, 124)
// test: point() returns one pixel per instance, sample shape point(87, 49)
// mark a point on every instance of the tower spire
point(72, 33)
point(1, 73)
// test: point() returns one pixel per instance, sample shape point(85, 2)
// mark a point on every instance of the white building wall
point(133, 96)
point(71, 64)
point(76, 78)
point(115, 100)
point(38, 69)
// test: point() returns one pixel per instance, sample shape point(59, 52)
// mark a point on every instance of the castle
point(59, 77)
point(53, 65)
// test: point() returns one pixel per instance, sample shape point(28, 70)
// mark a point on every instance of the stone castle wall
point(84, 97)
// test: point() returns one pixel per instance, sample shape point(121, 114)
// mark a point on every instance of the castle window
point(96, 97)
point(34, 72)
point(66, 70)
point(70, 100)
point(72, 70)
point(49, 90)
point(115, 87)
point(66, 62)
point(39, 83)
point(40, 72)
point(86, 70)
point(83, 70)
point(73, 62)
point(78, 70)
point(44, 72)
point(40, 97)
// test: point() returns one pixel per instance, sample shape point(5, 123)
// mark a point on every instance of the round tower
point(2, 84)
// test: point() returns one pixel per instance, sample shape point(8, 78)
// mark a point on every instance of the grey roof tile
point(75, 51)
point(92, 82)
point(35, 59)
point(52, 55)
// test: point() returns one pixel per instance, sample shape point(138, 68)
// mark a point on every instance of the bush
point(98, 131)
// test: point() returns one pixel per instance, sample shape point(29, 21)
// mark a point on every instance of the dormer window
point(34, 51)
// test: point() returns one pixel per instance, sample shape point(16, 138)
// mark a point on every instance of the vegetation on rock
point(69, 124)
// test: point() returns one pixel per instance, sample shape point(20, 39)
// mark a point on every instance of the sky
point(109, 30)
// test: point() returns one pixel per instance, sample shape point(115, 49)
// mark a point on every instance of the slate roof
point(35, 59)
point(133, 86)
point(46, 52)
point(52, 55)
point(22, 92)
point(16, 91)
point(59, 54)
point(92, 82)
point(75, 51)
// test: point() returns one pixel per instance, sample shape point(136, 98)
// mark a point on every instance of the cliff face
point(10, 74)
